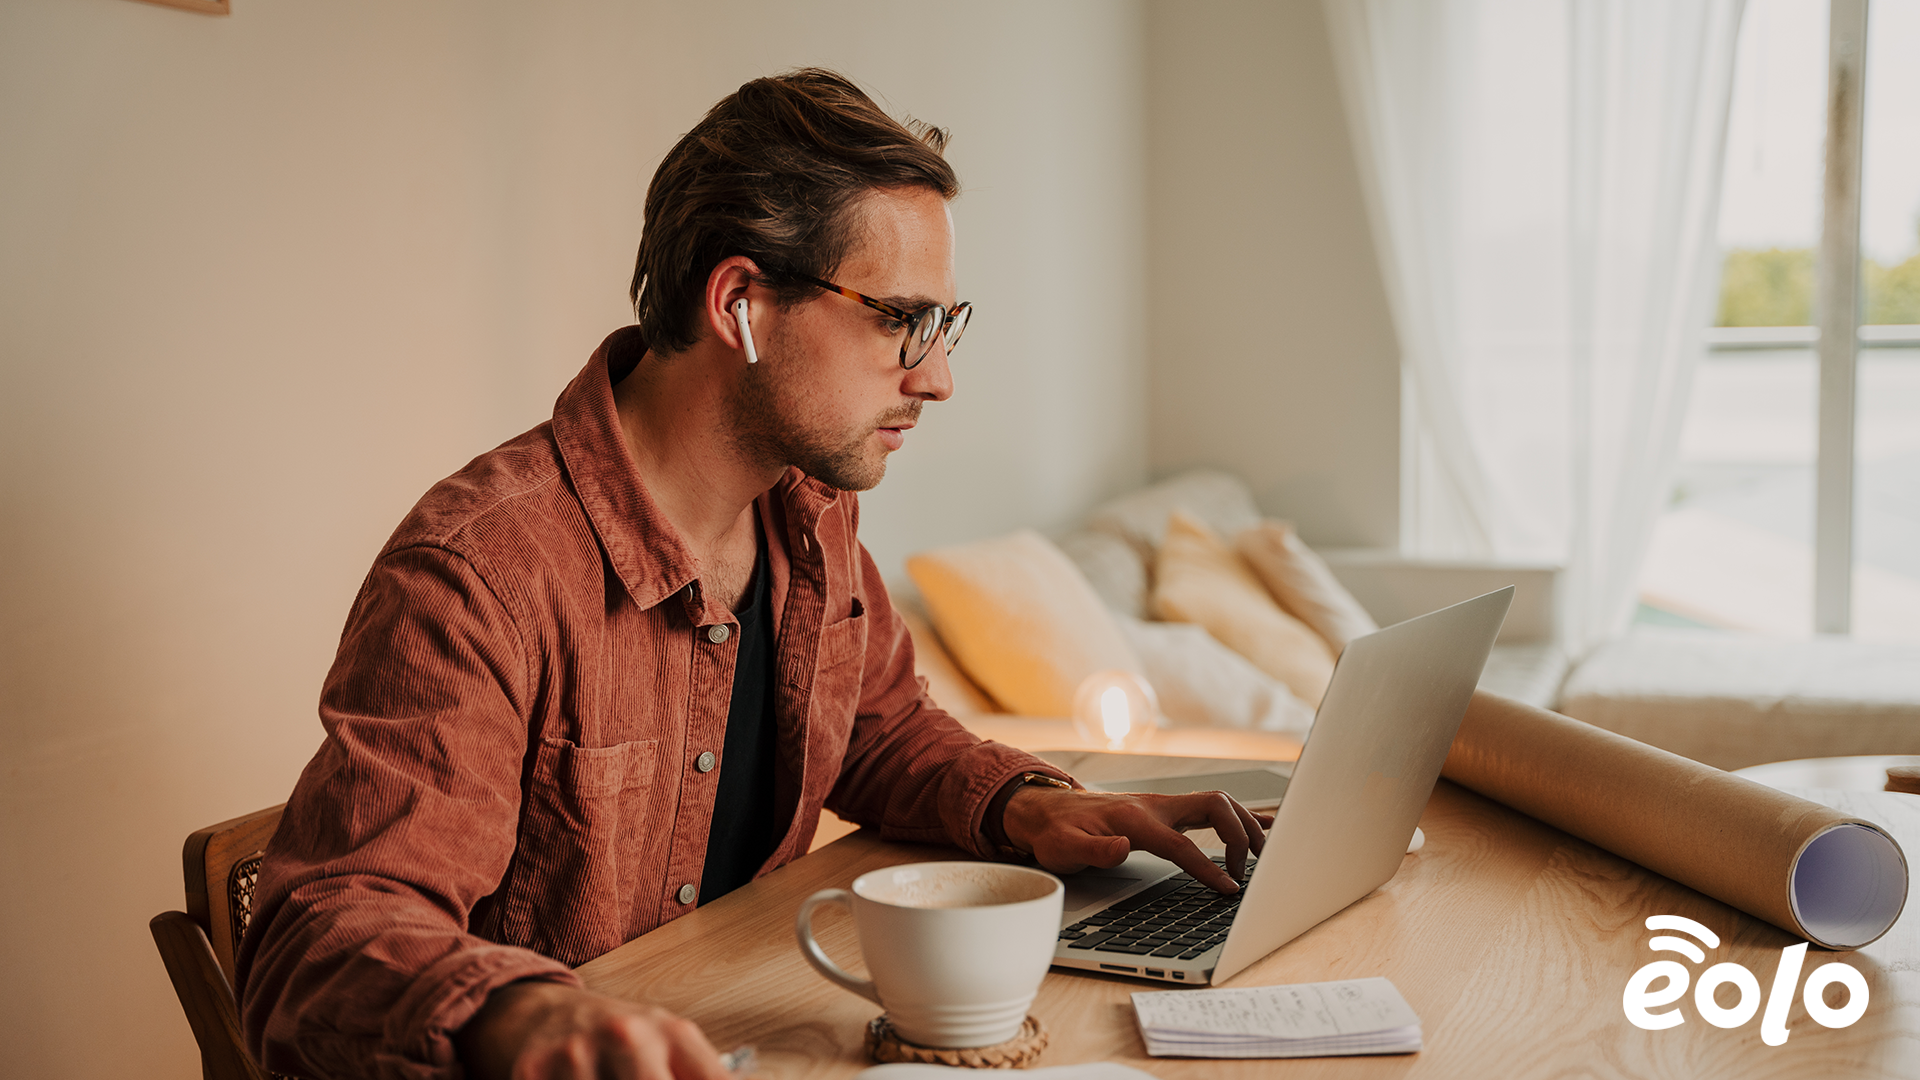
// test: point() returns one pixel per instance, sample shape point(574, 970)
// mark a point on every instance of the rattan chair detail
point(199, 944)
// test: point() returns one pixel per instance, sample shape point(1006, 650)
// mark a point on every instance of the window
point(1743, 536)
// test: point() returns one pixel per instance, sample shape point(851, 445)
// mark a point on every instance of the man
point(617, 666)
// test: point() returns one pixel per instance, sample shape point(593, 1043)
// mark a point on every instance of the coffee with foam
point(954, 885)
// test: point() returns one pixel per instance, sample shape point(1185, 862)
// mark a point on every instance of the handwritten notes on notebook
point(1361, 1016)
point(1093, 1070)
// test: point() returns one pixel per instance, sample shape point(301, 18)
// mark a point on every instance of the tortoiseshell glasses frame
point(921, 323)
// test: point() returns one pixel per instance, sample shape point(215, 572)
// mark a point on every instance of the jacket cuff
point(1001, 772)
point(418, 1041)
point(454, 989)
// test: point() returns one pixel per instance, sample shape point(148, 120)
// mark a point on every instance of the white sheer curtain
point(1543, 179)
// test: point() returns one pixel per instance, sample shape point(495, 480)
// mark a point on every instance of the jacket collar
point(645, 549)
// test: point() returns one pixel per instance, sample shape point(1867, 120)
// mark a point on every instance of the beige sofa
point(1733, 700)
point(1725, 699)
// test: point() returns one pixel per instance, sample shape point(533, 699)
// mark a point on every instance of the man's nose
point(930, 379)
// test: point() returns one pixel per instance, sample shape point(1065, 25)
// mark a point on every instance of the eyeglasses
point(921, 324)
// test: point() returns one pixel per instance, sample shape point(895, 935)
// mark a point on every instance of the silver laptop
point(1382, 732)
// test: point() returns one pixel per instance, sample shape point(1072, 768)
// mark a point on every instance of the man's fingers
point(1256, 832)
point(692, 1056)
point(1071, 830)
point(620, 1061)
point(1174, 847)
point(1160, 828)
point(575, 1060)
point(546, 1031)
point(650, 1060)
point(1229, 820)
point(1133, 826)
point(655, 1046)
point(1073, 850)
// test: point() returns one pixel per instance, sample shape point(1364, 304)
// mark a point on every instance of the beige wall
point(1272, 347)
point(267, 277)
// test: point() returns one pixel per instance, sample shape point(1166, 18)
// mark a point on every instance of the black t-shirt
point(742, 836)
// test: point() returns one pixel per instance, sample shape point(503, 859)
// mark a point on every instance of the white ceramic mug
point(957, 949)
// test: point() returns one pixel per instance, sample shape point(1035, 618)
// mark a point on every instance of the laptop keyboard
point(1178, 918)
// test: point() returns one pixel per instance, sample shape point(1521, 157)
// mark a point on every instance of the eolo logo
point(1639, 1000)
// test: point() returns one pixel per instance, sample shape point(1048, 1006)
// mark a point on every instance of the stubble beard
point(766, 426)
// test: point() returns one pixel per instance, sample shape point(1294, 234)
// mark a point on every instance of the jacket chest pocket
point(836, 679)
point(584, 835)
point(579, 774)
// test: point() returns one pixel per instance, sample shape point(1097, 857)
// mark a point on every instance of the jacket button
point(705, 761)
point(688, 894)
point(718, 633)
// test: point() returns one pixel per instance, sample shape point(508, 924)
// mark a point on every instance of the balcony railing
point(1741, 338)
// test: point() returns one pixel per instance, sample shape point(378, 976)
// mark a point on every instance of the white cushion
point(1732, 700)
point(1218, 499)
point(1202, 683)
point(1112, 566)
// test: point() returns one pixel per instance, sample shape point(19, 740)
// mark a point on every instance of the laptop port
point(1156, 973)
point(1118, 967)
point(1179, 974)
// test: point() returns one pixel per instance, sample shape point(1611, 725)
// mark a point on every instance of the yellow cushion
point(1199, 579)
point(1302, 582)
point(1020, 619)
point(947, 685)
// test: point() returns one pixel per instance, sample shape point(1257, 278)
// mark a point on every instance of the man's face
point(829, 394)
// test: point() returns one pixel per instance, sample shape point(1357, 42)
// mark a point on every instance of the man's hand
point(547, 1031)
point(1072, 830)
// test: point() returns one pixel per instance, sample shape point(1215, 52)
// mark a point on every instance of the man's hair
point(777, 171)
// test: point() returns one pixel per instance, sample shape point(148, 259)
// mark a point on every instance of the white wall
point(1273, 352)
point(263, 279)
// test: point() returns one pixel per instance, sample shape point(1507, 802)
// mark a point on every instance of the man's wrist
point(994, 821)
point(486, 1042)
point(478, 1042)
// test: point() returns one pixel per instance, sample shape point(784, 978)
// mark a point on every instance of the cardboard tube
point(1835, 880)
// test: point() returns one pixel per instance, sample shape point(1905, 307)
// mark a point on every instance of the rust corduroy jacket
point(508, 784)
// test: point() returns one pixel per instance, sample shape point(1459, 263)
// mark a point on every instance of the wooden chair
point(222, 862)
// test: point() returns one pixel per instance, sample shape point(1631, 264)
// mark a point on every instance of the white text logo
point(1640, 1000)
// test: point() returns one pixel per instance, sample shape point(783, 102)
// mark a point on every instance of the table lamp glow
point(1115, 710)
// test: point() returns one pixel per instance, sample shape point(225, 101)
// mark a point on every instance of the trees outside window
point(1738, 545)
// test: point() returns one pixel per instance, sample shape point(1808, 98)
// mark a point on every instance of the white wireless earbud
point(746, 332)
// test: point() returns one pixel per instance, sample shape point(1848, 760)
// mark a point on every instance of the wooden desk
point(1512, 940)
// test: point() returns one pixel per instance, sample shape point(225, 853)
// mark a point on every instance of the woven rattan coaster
point(1022, 1050)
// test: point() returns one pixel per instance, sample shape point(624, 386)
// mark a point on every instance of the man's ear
point(730, 282)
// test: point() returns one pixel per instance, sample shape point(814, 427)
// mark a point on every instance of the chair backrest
point(222, 862)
